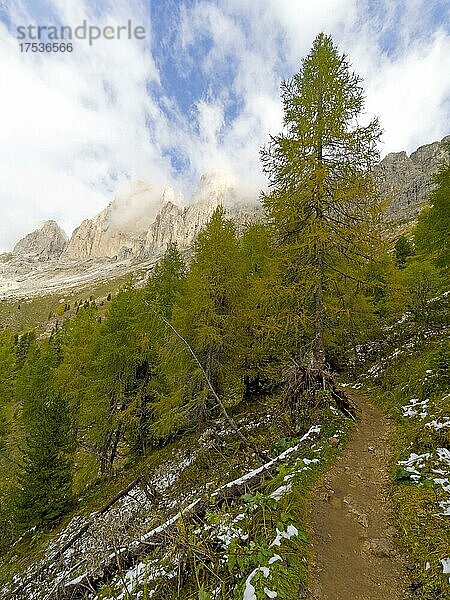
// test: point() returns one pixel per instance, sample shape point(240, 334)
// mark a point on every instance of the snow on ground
point(108, 535)
point(120, 529)
point(223, 532)
point(415, 407)
point(423, 468)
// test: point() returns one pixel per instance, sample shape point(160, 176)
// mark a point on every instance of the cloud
point(201, 93)
point(72, 125)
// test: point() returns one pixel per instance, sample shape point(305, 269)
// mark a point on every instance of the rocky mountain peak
point(44, 243)
point(217, 188)
point(143, 218)
point(406, 181)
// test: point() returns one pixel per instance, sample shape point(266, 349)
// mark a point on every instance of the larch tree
point(206, 315)
point(321, 199)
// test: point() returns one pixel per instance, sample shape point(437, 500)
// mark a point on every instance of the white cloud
point(72, 125)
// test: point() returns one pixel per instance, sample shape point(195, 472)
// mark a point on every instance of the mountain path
point(356, 556)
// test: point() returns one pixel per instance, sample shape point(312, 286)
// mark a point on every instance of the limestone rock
point(119, 230)
point(406, 181)
point(334, 441)
point(141, 221)
point(182, 225)
point(381, 548)
point(45, 243)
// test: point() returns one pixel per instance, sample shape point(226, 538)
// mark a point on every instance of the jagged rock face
point(45, 243)
point(182, 225)
point(406, 181)
point(119, 230)
point(141, 221)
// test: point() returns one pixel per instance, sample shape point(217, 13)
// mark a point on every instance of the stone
point(380, 548)
point(46, 243)
point(334, 441)
point(361, 518)
point(406, 181)
point(141, 220)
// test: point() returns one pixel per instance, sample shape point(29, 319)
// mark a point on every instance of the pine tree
point(110, 376)
point(206, 316)
point(256, 327)
point(45, 492)
point(321, 194)
point(166, 282)
point(123, 371)
point(403, 249)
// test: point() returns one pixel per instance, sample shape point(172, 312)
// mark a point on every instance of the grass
point(423, 375)
point(250, 525)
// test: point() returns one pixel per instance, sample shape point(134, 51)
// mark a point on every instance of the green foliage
point(321, 200)
point(45, 481)
point(423, 281)
point(403, 248)
point(166, 282)
point(206, 315)
point(258, 318)
point(115, 382)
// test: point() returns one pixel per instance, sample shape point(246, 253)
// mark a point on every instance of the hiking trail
point(356, 556)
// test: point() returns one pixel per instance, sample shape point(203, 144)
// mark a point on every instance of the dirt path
point(356, 557)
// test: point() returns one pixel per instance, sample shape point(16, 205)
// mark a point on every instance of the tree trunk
point(319, 315)
point(319, 308)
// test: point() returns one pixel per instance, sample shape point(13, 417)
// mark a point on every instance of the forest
point(273, 308)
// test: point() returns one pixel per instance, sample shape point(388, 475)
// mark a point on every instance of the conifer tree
point(45, 492)
point(124, 371)
point(165, 283)
point(256, 326)
point(321, 194)
point(206, 316)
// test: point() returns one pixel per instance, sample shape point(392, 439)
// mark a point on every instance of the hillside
point(237, 399)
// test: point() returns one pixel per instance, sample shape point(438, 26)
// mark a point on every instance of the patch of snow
point(445, 505)
point(413, 408)
point(281, 491)
point(250, 591)
point(415, 460)
point(290, 532)
point(437, 425)
point(445, 562)
point(312, 430)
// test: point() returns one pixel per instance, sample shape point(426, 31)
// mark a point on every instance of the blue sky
point(201, 93)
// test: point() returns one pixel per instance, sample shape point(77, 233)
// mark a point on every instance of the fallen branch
point(127, 557)
point(228, 417)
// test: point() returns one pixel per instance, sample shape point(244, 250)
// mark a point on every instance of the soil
point(356, 556)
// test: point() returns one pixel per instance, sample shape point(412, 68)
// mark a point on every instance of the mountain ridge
point(140, 221)
point(136, 227)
